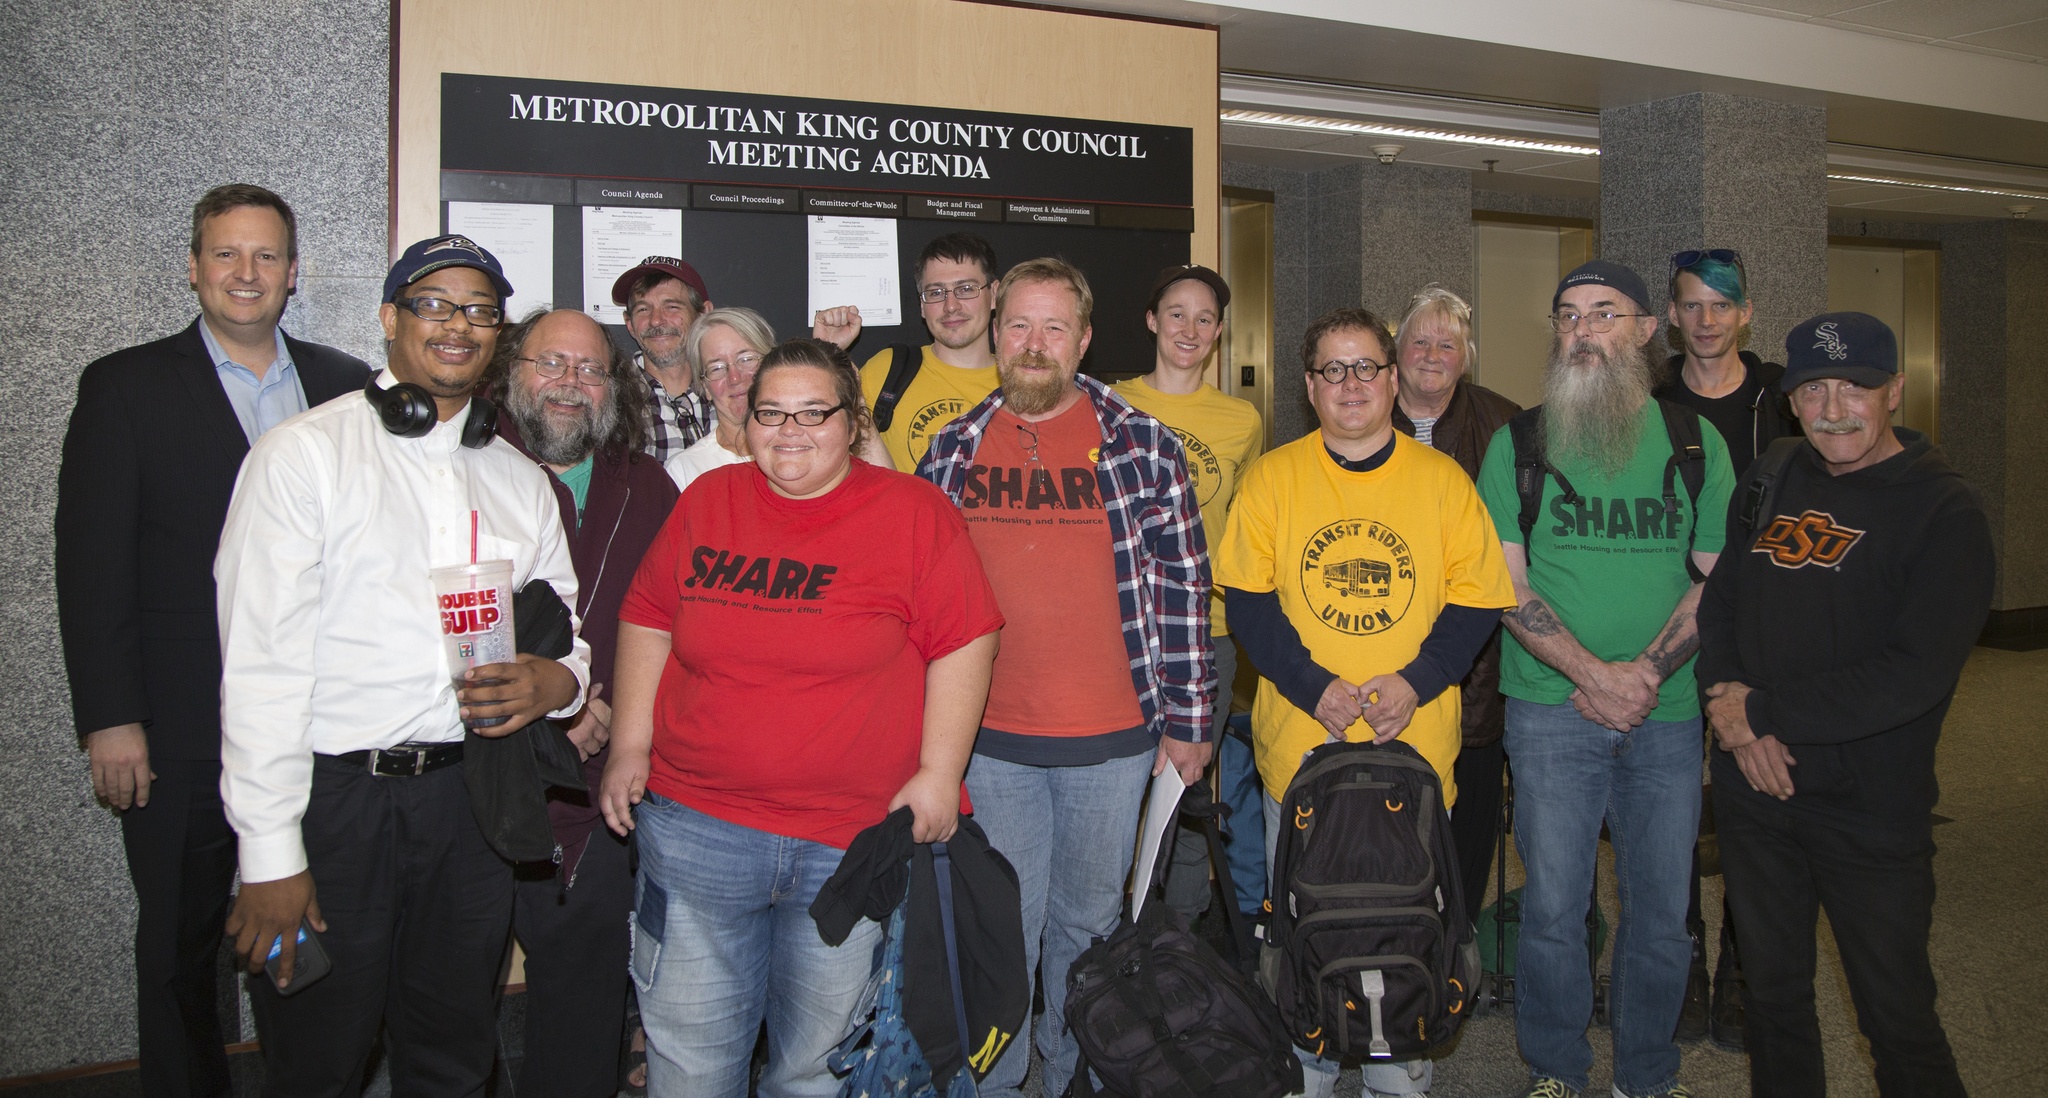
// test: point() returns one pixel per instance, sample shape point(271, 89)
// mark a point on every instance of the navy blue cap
point(429, 256)
point(1856, 346)
point(1604, 272)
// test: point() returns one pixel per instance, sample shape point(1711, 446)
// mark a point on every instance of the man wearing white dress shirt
point(342, 729)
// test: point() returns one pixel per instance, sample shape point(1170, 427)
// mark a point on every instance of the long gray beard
point(1592, 410)
point(552, 442)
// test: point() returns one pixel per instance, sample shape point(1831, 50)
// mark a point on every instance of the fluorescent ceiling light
point(1375, 129)
point(1926, 186)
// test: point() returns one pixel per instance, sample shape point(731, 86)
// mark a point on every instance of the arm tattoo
point(1669, 651)
point(1536, 619)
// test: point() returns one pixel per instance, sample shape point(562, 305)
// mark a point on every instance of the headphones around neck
point(409, 411)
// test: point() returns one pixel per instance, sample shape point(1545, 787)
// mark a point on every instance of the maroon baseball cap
point(659, 264)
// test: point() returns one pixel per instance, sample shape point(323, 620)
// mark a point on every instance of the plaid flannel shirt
point(1162, 559)
point(676, 420)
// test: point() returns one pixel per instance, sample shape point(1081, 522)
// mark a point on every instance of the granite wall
point(1362, 233)
point(118, 115)
point(1721, 171)
point(1994, 385)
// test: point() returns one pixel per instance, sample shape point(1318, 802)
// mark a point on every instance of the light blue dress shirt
point(259, 403)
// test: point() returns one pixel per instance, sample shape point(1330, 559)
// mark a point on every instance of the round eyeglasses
point(1333, 371)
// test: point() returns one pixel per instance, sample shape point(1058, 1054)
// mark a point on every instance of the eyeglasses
point(1690, 258)
point(742, 365)
point(1333, 371)
point(439, 311)
point(808, 417)
point(554, 366)
point(1564, 320)
point(965, 291)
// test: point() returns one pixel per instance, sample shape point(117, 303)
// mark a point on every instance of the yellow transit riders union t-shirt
point(1363, 563)
point(1221, 434)
point(936, 397)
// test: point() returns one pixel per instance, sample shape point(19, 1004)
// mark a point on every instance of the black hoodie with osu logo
point(1849, 609)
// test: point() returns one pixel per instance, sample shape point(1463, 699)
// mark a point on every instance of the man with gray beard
point(574, 405)
point(1603, 714)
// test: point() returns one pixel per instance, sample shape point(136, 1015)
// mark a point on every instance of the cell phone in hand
point(309, 962)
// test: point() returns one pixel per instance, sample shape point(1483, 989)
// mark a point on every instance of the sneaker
point(1676, 1091)
point(1692, 1017)
point(1726, 1027)
point(1549, 1088)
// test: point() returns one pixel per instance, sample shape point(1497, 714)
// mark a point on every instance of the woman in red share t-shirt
point(805, 649)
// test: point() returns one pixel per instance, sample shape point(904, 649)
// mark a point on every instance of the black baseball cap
point(432, 255)
point(1855, 346)
point(1605, 272)
point(1196, 271)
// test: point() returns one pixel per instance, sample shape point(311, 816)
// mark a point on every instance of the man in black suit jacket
point(150, 459)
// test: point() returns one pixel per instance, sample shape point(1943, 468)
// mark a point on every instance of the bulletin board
point(782, 143)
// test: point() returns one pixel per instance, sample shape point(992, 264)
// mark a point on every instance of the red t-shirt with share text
point(793, 697)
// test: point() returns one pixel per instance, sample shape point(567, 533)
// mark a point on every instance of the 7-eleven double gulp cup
point(475, 601)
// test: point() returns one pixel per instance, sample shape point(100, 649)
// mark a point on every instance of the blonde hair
point(1433, 302)
point(1053, 270)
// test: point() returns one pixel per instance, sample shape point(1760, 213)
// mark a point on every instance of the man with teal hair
point(1737, 392)
point(1729, 387)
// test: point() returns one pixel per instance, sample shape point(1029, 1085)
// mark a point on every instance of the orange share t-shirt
point(1034, 511)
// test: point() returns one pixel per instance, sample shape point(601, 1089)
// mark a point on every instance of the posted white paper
point(853, 262)
point(1162, 808)
point(522, 236)
point(615, 240)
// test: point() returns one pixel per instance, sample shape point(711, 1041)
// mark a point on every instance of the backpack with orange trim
point(1368, 952)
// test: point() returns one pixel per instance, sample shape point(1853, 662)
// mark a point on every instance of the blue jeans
point(1569, 775)
point(1319, 1076)
point(1070, 831)
point(723, 938)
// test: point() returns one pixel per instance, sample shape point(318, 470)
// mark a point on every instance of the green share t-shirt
point(1611, 565)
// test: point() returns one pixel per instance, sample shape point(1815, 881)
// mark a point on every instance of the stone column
point(1362, 233)
point(1994, 384)
point(1721, 171)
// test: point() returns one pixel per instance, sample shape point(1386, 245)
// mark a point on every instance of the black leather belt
point(407, 760)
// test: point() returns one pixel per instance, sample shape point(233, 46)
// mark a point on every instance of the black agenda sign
point(625, 132)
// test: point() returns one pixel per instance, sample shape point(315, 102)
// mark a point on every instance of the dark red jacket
point(630, 497)
point(1468, 423)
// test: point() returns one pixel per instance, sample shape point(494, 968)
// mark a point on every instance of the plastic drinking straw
point(472, 537)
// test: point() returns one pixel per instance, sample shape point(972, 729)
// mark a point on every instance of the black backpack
point(1761, 491)
point(1688, 462)
point(1368, 952)
point(1157, 1013)
point(904, 362)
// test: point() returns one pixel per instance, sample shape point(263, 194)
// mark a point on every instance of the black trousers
point(576, 946)
point(1475, 820)
point(419, 914)
point(1781, 867)
point(181, 856)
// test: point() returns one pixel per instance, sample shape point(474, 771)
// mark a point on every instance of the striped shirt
point(1162, 559)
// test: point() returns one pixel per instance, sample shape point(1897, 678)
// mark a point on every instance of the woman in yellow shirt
point(1222, 435)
